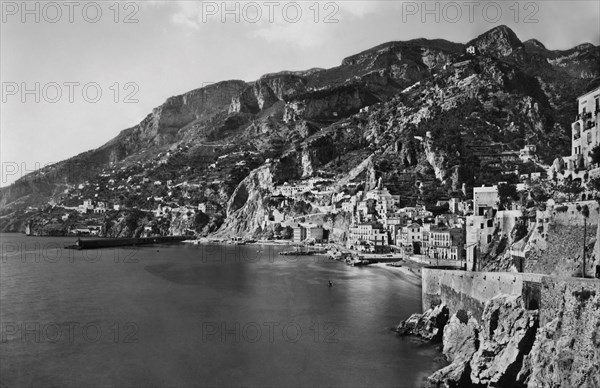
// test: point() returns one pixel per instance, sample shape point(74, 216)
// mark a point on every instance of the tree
point(541, 191)
point(288, 233)
point(571, 188)
point(507, 193)
point(594, 184)
point(200, 221)
point(595, 154)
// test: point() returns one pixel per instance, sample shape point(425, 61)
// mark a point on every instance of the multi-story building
point(445, 243)
point(480, 231)
point(299, 234)
point(208, 208)
point(410, 238)
point(384, 201)
point(425, 232)
point(393, 223)
point(308, 232)
point(370, 235)
point(585, 133)
point(365, 210)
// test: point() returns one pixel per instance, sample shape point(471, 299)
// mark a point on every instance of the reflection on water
point(185, 315)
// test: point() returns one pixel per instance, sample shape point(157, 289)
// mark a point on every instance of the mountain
point(416, 113)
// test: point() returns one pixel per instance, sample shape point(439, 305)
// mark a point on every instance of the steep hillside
point(414, 113)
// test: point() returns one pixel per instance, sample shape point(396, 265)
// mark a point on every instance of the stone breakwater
point(511, 330)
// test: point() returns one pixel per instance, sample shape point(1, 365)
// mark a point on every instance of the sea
point(185, 315)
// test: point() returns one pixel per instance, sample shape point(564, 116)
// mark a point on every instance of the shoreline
point(404, 269)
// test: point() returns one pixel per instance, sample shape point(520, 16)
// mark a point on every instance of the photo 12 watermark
point(269, 332)
point(76, 333)
point(70, 12)
point(68, 171)
point(269, 11)
point(470, 11)
point(52, 92)
point(53, 252)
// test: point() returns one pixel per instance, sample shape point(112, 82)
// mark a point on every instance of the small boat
point(356, 261)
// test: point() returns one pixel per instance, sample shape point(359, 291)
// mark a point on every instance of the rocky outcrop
point(512, 346)
point(459, 344)
point(246, 209)
point(489, 352)
point(163, 124)
point(506, 336)
point(429, 325)
point(500, 41)
point(566, 352)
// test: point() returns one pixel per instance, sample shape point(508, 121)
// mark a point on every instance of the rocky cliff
point(416, 110)
point(512, 346)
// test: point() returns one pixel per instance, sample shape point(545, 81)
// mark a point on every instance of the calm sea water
point(200, 316)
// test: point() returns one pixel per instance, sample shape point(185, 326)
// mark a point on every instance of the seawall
point(526, 330)
point(465, 290)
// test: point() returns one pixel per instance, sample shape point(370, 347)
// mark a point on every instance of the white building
point(585, 134)
point(483, 198)
point(369, 234)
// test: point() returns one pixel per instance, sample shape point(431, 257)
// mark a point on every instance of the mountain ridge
point(300, 113)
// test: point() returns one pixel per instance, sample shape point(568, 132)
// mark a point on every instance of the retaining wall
point(465, 290)
point(468, 290)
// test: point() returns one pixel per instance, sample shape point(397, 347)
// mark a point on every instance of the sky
point(76, 73)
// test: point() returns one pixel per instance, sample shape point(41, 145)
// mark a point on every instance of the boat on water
point(395, 264)
point(337, 255)
point(356, 261)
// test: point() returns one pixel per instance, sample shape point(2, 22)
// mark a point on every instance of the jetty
point(303, 250)
point(123, 242)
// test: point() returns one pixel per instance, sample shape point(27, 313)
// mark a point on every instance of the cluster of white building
point(90, 206)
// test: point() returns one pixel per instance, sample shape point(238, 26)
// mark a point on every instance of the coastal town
point(443, 190)
point(457, 230)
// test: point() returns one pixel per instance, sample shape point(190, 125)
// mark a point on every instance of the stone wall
point(571, 216)
point(558, 291)
point(515, 329)
point(566, 352)
point(437, 262)
point(465, 290)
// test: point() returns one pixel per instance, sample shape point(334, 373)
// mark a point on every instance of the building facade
point(367, 236)
point(585, 133)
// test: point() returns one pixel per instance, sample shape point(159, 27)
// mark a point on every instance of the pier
point(123, 242)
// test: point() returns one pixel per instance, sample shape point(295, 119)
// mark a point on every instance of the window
point(489, 238)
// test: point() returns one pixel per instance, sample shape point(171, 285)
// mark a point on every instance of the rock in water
point(428, 325)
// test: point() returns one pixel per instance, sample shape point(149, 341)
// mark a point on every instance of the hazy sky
point(169, 48)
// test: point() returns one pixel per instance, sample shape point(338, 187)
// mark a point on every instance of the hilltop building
point(585, 133)
point(528, 153)
point(208, 208)
point(483, 198)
